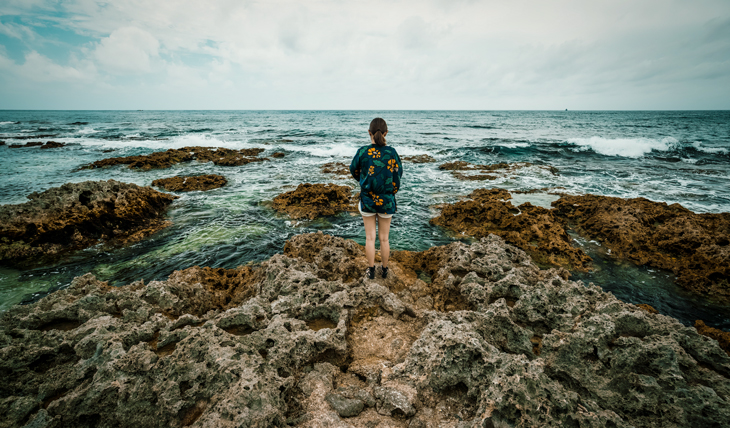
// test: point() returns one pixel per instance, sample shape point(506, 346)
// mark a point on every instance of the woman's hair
point(378, 128)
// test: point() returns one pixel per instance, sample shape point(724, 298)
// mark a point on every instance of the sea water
point(678, 156)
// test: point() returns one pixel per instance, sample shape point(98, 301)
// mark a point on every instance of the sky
point(370, 55)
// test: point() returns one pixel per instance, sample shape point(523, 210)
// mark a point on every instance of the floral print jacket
point(378, 169)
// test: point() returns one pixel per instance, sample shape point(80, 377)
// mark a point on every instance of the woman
point(378, 169)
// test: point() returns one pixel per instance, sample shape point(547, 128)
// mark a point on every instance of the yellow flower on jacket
point(392, 165)
point(395, 189)
point(371, 171)
point(378, 201)
point(373, 152)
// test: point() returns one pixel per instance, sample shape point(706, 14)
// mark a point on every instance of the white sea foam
point(7, 123)
point(177, 142)
point(624, 147)
point(513, 145)
point(698, 145)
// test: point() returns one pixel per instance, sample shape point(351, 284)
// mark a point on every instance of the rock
point(315, 200)
point(535, 230)
point(497, 170)
point(188, 184)
point(345, 407)
point(419, 159)
point(335, 168)
point(219, 156)
point(33, 144)
point(16, 146)
point(648, 308)
point(391, 400)
point(722, 337)
point(695, 247)
point(278, 155)
point(52, 145)
point(78, 215)
point(210, 347)
point(2, 143)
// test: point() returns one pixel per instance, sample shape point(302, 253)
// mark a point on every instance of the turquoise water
point(664, 156)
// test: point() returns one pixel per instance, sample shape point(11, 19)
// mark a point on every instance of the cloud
point(127, 50)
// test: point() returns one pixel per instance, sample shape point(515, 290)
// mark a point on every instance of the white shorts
point(364, 214)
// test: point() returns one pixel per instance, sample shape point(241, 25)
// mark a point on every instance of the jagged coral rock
point(419, 159)
point(695, 247)
point(722, 337)
point(529, 349)
point(219, 156)
point(191, 183)
point(79, 215)
point(315, 200)
point(535, 230)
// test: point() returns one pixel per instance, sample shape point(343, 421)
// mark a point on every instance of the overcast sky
point(335, 54)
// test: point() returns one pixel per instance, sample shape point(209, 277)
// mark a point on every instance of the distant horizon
point(383, 110)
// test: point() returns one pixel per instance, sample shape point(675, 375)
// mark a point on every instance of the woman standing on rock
point(378, 169)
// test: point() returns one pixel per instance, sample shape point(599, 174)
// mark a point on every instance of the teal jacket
point(378, 169)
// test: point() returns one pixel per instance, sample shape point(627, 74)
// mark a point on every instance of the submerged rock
point(315, 200)
point(189, 184)
point(489, 172)
point(336, 168)
point(535, 230)
point(419, 159)
point(29, 144)
point(235, 348)
point(52, 145)
point(278, 155)
point(695, 247)
point(722, 337)
point(219, 156)
point(79, 215)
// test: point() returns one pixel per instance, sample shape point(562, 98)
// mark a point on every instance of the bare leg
point(370, 239)
point(383, 232)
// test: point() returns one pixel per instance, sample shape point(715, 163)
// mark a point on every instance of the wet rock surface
point(52, 145)
point(189, 184)
point(219, 156)
point(695, 247)
point(310, 201)
point(419, 159)
point(78, 215)
point(489, 172)
point(535, 230)
point(722, 337)
point(238, 347)
point(336, 168)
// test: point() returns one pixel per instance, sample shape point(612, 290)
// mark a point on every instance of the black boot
point(385, 272)
point(370, 272)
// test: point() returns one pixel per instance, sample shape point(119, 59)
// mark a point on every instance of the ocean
point(674, 156)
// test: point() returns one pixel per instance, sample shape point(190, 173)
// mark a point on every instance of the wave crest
point(623, 147)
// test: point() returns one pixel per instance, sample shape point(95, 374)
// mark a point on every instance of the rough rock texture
point(219, 156)
point(419, 159)
point(79, 215)
point(52, 145)
point(489, 172)
point(315, 200)
point(188, 184)
point(536, 230)
point(723, 338)
point(336, 168)
point(527, 349)
point(695, 247)
point(278, 155)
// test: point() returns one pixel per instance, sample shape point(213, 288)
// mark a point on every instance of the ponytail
point(379, 138)
point(378, 128)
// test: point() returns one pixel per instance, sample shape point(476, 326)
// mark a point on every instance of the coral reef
point(695, 247)
point(315, 200)
point(535, 230)
point(292, 342)
point(189, 184)
point(219, 156)
point(79, 215)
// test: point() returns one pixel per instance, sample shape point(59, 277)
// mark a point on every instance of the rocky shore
point(79, 215)
point(310, 201)
point(219, 156)
point(191, 183)
point(489, 172)
point(488, 340)
point(695, 247)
